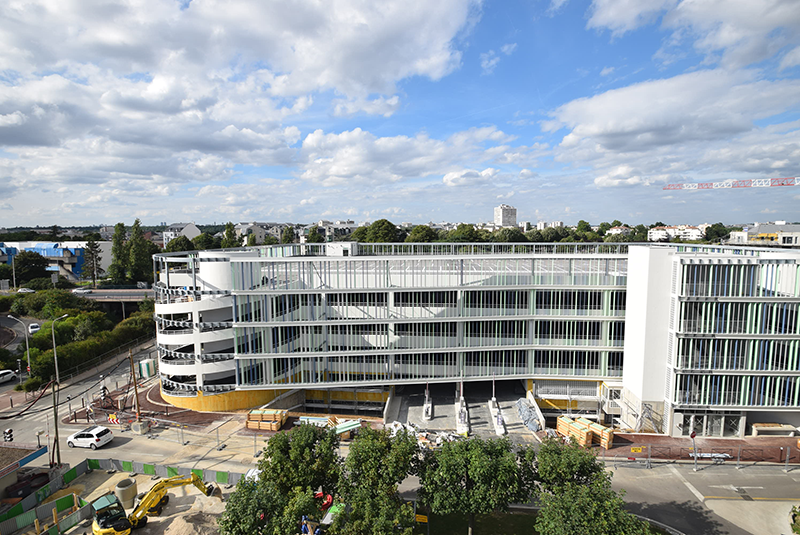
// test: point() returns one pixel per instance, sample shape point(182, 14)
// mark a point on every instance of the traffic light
point(8, 435)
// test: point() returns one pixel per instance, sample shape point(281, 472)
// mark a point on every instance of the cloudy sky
point(416, 111)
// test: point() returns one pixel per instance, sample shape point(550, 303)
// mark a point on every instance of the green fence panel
point(70, 475)
point(127, 466)
point(222, 477)
point(65, 502)
point(53, 531)
point(198, 472)
point(150, 469)
point(94, 464)
point(82, 502)
point(25, 519)
point(171, 471)
point(43, 493)
point(11, 513)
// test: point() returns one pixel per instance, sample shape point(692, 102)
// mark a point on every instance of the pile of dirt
point(193, 524)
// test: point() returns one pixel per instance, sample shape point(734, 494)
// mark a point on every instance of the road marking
point(689, 486)
point(754, 498)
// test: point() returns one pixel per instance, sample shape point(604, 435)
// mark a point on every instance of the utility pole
point(135, 387)
point(13, 272)
point(55, 420)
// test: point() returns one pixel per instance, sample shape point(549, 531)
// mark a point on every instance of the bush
point(32, 384)
point(5, 303)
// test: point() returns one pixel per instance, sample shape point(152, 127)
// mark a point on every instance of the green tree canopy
point(616, 223)
point(314, 236)
point(304, 457)
point(205, 241)
point(230, 240)
point(91, 263)
point(383, 231)
point(140, 266)
point(269, 239)
point(30, 265)
point(471, 476)
point(510, 235)
point(118, 270)
point(463, 233)
point(181, 243)
point(603, 228)
point(375, 465)
point(287, 235)
point(534, 236)
point(422, 234)
point(584, 226)
point(258, 508)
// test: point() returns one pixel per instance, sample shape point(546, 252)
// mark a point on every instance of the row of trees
point(86, 333)
point(469, 477)
point(131, 257)
point(384, 231)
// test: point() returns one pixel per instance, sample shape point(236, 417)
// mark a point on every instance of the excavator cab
point(109, 517)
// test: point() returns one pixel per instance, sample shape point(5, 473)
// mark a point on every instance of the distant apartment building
point(778, 234)
point(684, 232)
point(505, 216)
point(245, 230)
point(189, 230)
point(541, 225)
point(623, 230)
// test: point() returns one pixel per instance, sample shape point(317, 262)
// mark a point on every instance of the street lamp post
point(55, 355)
point(24, 330)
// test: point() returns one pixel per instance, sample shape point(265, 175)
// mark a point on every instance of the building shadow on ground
point(688, 517)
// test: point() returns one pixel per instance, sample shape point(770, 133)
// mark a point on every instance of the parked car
point(82, 291)
point(34, 328)
point(91, 437)
point(26, 291)
point(7, 375)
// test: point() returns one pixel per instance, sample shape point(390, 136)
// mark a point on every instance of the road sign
point(54, 278)
point(636, 450)
point(422, 519)
point(112, 419)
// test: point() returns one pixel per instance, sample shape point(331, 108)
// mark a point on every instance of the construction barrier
point(213, 476)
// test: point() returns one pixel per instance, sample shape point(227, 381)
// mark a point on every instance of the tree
point(205, 241)
point(576, 496)
point(258, 508)
point(616, 223)
point(140, 266)
point(270, 240)
point(359, 234)
point(375, 466)
point(287, 236)
point(534, 236)
point(91, 261)
point(717, 232)
point(658, 224)
point(584, 226)
point(382, 231)
point(54, 232)
point(463, 233)
point(251, 240)
point(559, 464)
point(591, 509)
point(118, 270)
point(30, 265)
point(230, 240)
point(314, 236)
point(181, 243)
point(471, 476)
point(422, 234)
point(550, 235)
point(6, 273)
point(304, 457)
point(510, 235)
point(639, 234)
point(603, 228)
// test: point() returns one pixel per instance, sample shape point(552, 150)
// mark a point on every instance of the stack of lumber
point(585, 432)
point(266, 419)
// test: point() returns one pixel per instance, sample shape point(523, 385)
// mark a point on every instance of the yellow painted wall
point(557, 404)
point(248, 399)
point(346, 395)
point(228, 401)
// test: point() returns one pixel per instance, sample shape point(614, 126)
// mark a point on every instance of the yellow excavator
point(109, 515)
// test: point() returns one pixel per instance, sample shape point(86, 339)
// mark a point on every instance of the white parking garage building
point(673, 337)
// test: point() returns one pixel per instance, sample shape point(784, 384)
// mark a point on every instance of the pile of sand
point(193, 524)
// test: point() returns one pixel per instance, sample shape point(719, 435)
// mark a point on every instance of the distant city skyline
point(413, 111)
